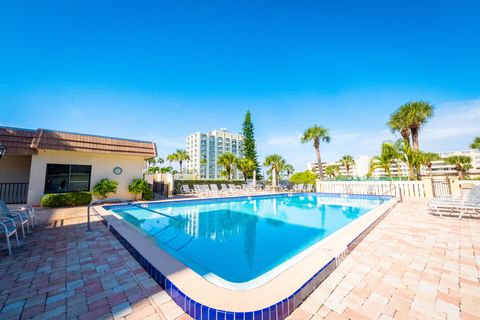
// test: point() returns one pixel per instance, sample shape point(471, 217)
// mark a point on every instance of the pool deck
point(410, 266)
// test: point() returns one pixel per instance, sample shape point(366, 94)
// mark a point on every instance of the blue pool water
point(241, 239)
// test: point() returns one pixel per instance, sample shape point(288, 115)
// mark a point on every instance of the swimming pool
point(242, 243)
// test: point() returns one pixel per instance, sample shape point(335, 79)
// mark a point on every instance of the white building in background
point(210, 146)
point(439, 167)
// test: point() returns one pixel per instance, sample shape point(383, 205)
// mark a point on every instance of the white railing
point(405, 189)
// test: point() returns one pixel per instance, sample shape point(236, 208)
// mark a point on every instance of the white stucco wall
point(102, 167)
point(14, 169)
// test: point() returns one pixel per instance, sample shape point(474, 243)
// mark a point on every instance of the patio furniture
point(298, 187)
point(9, 228)
point(28, 210)
point(225, 188)
point(185, 189)
point(19, 216)
point(455, 208)
point(214, 189)
point(309, 188)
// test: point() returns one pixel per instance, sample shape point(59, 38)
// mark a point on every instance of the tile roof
point(26, 142)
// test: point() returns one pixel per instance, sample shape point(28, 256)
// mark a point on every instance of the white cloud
point(285, 140)
point(453, 126)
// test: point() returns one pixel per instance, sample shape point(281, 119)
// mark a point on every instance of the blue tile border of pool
point(278, 311)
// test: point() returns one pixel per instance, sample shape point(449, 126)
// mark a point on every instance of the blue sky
point(160, 70)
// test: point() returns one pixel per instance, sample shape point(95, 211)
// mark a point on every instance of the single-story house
point(37, 162)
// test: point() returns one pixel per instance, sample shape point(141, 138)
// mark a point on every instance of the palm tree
point(203, 163)
point(332, 170)
point(426, 159)
point(227, 160)
point(347, 161)
point(476, 143)
point(276, 163)
point(461, 163)
point(412, 115)
point(289, 169)
point(246, 167)
point(172, 158)
point(407, 155)
point(384, 161)
point(180, 156)
point(317, 134)
point(398, 123)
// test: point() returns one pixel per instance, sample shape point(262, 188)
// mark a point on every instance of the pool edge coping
point(277, 308)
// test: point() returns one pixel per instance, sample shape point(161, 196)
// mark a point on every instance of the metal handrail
point(113, 200)
point(393, 188)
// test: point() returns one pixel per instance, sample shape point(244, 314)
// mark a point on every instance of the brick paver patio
point(64, 272)
point(410, 266)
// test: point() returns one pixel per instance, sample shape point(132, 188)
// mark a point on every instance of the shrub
point(305, 177)
point(148, 195)
point(68, 199)
point(104, 187)
point(138, 186)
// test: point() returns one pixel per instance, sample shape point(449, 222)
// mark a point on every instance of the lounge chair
point(467, 203)
point(214, 190)
point(185, 189)
point(298, 187)
point(234, 189)
point(454, 208)
point(225, 189)
point(206, 190)
point(309, 188)
point(19, 216)
point(9, 228)
point(198, 190)
point(26, 209)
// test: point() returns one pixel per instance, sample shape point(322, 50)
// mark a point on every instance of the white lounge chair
point(206, 190)
point(309, 188)
point(225, 189)
point(198, 190)
point(19, 216)
point(24, 209)
point(9, 228)
point(185, 189)
point(214, 190)
point(456, 208)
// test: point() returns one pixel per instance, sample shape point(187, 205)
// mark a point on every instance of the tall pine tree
point(249, 146)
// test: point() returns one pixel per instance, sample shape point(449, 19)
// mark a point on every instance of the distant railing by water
point(14, 193)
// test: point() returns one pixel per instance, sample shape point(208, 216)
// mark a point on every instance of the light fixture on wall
point(3, 150)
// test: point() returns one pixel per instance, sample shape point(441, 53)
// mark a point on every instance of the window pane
point(56, 178)
point(80, 178)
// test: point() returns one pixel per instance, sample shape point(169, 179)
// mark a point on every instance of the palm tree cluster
point(408, 120)
point(179, 156)
point(229, 162)
point(277, 166)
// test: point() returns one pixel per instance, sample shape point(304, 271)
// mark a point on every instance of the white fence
point(405, 189)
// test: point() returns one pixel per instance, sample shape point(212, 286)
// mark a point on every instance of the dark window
point(67, 178)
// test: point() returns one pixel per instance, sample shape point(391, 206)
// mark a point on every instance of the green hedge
point(68, 199)
point(179, 183)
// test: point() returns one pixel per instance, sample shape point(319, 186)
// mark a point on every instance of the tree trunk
point(319, 161)
point(399, 171)
point(405, 135)
point(180, 165)
point(348, 171)
point(430, 170)
point(460, 172)
point(415, 138)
